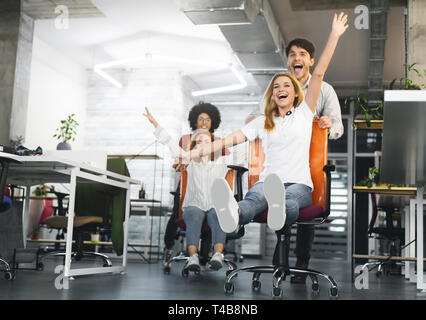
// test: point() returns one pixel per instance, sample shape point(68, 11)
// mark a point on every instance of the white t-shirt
point(287, 146)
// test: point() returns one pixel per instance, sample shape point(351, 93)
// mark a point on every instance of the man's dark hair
point(203, 107)
point(301, 43)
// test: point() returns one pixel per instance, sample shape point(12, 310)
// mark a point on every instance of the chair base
point(9, 274)
point(279, 275)
point(183, 257)
point(76, 256)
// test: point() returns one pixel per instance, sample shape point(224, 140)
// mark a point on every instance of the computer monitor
point(404, 138)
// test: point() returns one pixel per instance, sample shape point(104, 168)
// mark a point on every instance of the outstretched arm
point(231, 140)
point(162, 135)
point(338, 28)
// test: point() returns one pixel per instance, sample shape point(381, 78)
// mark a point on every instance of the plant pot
point(63, 146)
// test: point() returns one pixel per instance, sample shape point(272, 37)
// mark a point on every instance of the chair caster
point(277, 293)
point(315, 288)
point(185, 273)
point(333, 292)
point(256, 285)
point(229, 288)
point(106, 265)
point(166, 270)
point(9, 275)
point(40, 266)
point(378, 274)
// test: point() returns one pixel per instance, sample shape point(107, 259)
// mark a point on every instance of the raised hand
point(339, 24)
point(150, 117)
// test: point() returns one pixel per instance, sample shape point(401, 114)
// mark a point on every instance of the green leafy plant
point(43, 190)
point(376, 113)
point(67, 130)
point(373, 179)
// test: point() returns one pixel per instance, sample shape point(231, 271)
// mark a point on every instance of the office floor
point(145, 281)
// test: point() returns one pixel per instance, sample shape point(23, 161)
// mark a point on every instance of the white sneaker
point(216, 262)
point(274, 191)
point(225, 205)
point(193, 263)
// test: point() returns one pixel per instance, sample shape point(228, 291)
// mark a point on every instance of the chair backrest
point(230, 178)
point(318, 157)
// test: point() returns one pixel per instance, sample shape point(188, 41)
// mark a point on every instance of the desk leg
point(406, 251)
point(420, 283)
point(26, 214)
point(70, 225)
point(412, 247)
point(126, 227)
point(147, 230)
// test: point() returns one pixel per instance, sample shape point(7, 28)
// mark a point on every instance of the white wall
point(115, 121)
point(58, 87)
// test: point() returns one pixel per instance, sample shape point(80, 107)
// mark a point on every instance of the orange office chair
point(316, 213)
point(205, 230)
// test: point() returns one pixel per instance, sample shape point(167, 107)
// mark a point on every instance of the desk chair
point(5, 204)
point(205, 229)
point(394, 235)
point(83, 225)
point(315, 214)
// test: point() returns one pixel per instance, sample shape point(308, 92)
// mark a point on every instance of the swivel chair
point(5, 204)
point(315, 214)
point(390, 236)
point(205, 229)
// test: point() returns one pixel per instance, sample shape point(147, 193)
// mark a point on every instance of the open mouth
point(282, 96)
point(297, 67)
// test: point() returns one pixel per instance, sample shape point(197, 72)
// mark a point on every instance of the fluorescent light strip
point(232, 87)
point(242, 83)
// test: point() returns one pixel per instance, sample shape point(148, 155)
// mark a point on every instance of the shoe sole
point(225, 206)
point(274, 191)
point(193, 268)
point(215, 265)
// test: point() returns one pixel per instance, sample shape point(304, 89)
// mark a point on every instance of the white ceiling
point(139, 27)
point(133, 28)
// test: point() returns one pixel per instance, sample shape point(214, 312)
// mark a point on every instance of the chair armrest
point(328, 168)
point(240, 171)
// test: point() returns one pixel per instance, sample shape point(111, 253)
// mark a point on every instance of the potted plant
point(376, 113)
point(66, 132)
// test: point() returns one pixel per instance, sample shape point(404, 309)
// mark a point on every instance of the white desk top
point(47, 169)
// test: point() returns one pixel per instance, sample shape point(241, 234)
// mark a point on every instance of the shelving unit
point(380, 189)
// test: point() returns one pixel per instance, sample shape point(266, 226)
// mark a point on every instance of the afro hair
point(207, 108)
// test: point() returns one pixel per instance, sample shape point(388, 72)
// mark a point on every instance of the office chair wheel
point(166, 270)
point(229, 288)
point(256, 285)
point(40, 266)
point(333, 292)
point(277, 293)
point(315, 288)
point(185, 273)
point(9, 275)
point(378, 274)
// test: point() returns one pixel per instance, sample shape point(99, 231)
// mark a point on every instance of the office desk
point(35, 170)
point(412, 224)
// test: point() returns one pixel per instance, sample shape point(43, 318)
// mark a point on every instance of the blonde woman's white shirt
point(200, 175)
point(287, 146)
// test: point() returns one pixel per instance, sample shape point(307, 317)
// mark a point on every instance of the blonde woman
point(285, 185)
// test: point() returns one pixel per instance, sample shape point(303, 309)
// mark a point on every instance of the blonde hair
point(270, 106)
